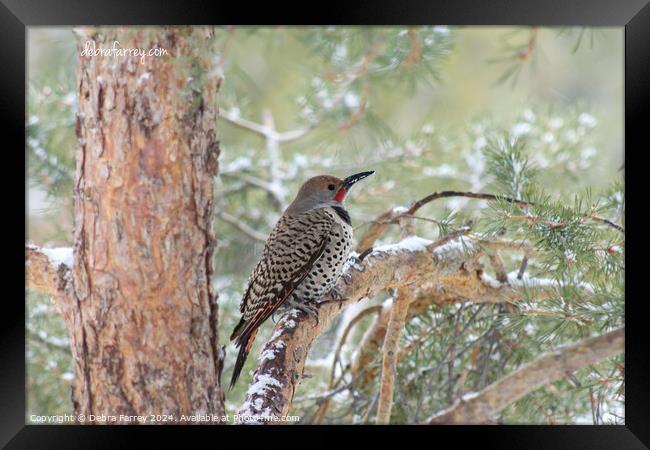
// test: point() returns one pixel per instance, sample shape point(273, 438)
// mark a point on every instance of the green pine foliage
point(420, 106)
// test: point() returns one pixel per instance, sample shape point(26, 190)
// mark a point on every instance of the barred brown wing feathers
point(267, 308)
point(291, 250)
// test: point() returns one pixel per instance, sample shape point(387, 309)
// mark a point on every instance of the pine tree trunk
point(143, 321)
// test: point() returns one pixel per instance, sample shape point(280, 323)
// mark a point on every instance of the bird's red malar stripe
point(340, 195)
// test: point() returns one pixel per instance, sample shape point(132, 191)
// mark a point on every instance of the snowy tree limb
point(47, 270)
point(483, 407)
point(445, 271)
point(447, 266)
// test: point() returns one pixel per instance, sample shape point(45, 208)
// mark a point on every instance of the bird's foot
point(309, 308)
point(347, 278)
point(336, 294)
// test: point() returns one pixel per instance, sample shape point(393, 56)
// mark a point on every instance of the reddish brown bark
point(143, 315)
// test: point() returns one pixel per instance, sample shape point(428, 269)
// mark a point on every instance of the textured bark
point(484, 406)
point(143, 321)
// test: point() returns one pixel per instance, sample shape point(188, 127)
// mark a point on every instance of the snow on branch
point(483, 407)
point(446, 266)
point(47, 269)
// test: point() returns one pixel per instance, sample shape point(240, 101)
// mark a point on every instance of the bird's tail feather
point(245, 343)
point(241, 359)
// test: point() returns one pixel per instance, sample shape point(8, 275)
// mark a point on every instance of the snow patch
point(587, 120)
point(238, 164)
point(287, 324)
point(520, 129)
point(268, 353)
point(263, 382)
point(489, 281)
point(458, 245)
point(469, 396)
point(411, 244)
point(528, 115)
point(351, 100)
point(57, 256)
point(277, 189)
point(527, 281)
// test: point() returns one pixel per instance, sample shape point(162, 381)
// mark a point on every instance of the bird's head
point(324, 190)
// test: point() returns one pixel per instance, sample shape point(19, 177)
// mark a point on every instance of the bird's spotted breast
point(328, 267)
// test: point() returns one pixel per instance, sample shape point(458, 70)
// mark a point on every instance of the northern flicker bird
point(302, 259)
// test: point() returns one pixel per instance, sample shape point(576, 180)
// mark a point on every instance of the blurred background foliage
point(530, 112)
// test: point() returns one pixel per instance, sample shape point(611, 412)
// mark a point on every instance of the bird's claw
point(347, 278)
point(308, 308)
point(312, 311)
point(336, 294)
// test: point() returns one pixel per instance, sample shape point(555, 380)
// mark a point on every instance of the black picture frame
point(17, 15)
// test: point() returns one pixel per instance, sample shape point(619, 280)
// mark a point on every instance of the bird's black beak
point(349, 181)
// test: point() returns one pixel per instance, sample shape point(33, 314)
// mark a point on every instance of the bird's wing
point(293, 247)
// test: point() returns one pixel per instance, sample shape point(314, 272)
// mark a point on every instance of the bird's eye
point(331, 187)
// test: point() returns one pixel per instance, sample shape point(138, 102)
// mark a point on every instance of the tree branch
point(332, 385)
point(47, 270)
point(398, 315)
point(241, 226)
point(414, 261)
point(263, 130)
point(444, 271)
point(484, 406)
point(65, 348)
point(277, 196)
point(469, 288)
point(393, 215)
